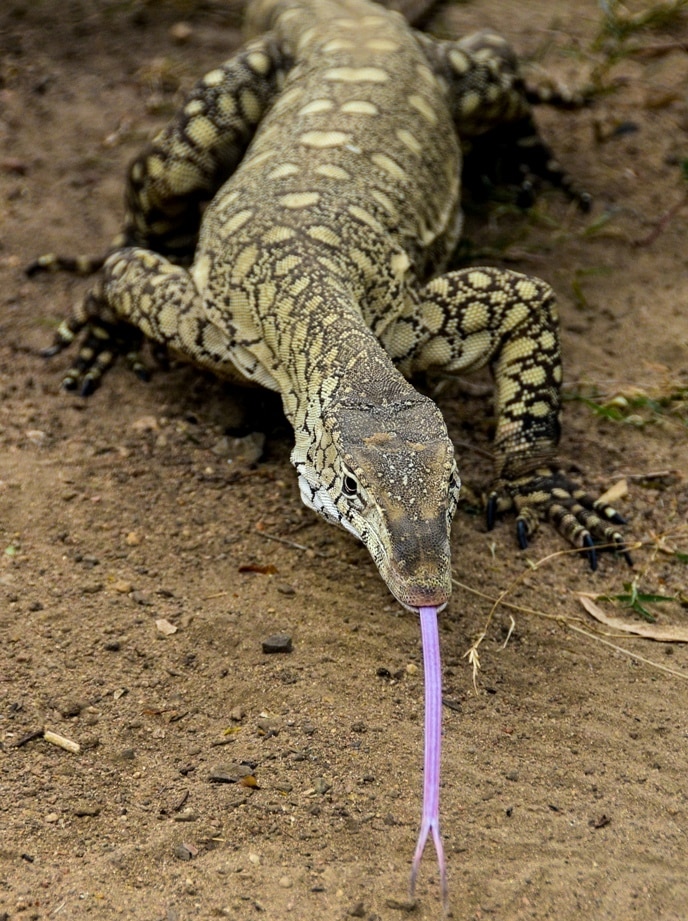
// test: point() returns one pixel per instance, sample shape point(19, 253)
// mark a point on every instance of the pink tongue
point(430, 820)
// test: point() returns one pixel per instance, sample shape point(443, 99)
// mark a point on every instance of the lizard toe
point(522, 534)
point(589, 550)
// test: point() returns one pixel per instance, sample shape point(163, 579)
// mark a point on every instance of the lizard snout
point(419, 568)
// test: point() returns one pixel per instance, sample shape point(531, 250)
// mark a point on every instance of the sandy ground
point(565, 792)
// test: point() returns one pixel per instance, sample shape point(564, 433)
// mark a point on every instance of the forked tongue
point(430, 820)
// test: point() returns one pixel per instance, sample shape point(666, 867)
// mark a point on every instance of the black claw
point(522, 534)
point(590, 552)
point(143, 374)
point(491, 512)
point(69, 383)
point(615, 518)
point(88, 387)
point(627, 556)
point(51, 350)
point(585, 202)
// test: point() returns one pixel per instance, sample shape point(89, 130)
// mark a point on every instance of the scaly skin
point(328, 150)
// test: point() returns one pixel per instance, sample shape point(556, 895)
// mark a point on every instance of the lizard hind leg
point(492, 110)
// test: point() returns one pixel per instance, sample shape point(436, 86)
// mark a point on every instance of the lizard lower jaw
point(416, 610)
point(415, 597)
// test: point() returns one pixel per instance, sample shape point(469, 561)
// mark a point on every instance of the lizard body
point(328, 152)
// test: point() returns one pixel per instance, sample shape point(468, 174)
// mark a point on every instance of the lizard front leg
point(464, 320)
point(144, 293)
point(168, 184)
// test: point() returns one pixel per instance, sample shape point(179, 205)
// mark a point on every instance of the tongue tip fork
point(428, 828)
point(430, 822)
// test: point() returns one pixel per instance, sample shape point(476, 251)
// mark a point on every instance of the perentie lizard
point(328, 150)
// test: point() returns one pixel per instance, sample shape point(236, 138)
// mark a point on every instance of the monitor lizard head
point(385, 471)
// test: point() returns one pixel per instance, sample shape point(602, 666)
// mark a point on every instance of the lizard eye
point(350, 486)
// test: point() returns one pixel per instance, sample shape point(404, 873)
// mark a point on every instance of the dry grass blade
point(473, 657)
point(670, 634)
point(568, 622)
point(472, 654)
point(626, 652)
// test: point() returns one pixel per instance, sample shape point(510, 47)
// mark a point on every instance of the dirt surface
point(564, 792)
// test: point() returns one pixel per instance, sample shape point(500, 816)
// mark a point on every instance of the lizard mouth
point(414, 594)
point(416, 610)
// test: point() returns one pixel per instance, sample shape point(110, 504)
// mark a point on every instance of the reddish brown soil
point(565, 792)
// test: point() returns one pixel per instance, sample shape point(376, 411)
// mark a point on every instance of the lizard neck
point(331, 365)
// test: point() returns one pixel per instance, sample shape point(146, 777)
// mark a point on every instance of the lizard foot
point(101, 345)
point(546, 493)
point(75, 265)
point(514, 155)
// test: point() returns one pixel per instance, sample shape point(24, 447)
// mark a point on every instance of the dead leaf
point(670, 634)
point(267, 570)
point(615, 492)
point(600, 822)
point(249, 781)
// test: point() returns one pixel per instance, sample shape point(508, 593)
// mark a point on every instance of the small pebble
point(246, 451)
point(145, 424)
point(69, 708)
point(184, 852)
point(279, 642)
point(229, 773)
point(401, 904)
point(511, 775)
point(236, 714)
point(112, 646)
point(188, 815)
point(86, 809)
point(14, 165)
point(52, 817)
point(357, 911)
point(321, 786)
point(180, 33)
point(91, 588)
point(123, 587)
point(285, 882)
point(140, 598)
